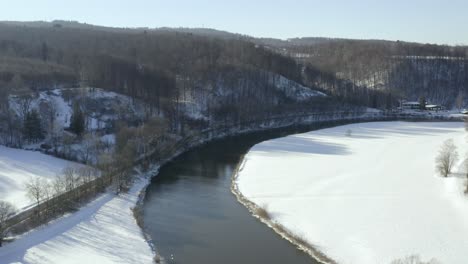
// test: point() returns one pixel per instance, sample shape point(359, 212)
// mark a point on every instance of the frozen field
point(18, 166)
point(104, 232)
point(371, 197)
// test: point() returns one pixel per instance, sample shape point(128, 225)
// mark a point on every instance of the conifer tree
point(77, 120)
point(32, 127)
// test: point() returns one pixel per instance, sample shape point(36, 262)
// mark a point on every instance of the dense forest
point(161, 67)
point(224, 76)
point(404, 70)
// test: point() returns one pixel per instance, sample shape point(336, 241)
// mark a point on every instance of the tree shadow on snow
point(300, 145)
point(379, 131)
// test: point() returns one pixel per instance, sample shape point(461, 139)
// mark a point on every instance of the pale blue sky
point(432, 21)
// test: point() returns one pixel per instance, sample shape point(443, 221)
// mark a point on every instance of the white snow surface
point(102, 101)
point(54, 97)
point(371, 197)
point(103, 232)
point(18, 166)
point(294, 90)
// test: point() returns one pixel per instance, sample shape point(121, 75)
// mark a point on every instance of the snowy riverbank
point(83, 234)
point(371, 197)
point(104, 231)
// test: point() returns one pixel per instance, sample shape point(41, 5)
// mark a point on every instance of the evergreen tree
point(32, 127)
point(77, 120)
point(422, 102)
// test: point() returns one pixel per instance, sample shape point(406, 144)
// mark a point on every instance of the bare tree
point(25, 102)
point(56, 135)
point(87, 173)
point(459, 101)
point(123, 162)
point(51, 117)
point(447, 158)
point(72, 181)
point(49, 193)
point(414, 260)
point(90, 145)
point(67, 142)
point(71, 178)
point(6, 210)
point(36, 189)
point(13, 125)
point(58, 184)
point(105, 164)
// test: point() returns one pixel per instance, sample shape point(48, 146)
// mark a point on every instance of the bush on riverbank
point(262, 213)
point(414, 260)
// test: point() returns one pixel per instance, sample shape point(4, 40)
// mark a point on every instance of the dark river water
point(193, 217)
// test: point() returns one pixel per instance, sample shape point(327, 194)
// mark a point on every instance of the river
point(193, 217)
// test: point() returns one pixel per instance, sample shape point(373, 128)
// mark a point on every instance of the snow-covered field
point(371, 197)
point(18, 166)
point(104, 231)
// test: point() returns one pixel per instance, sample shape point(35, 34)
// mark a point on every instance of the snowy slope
point(370, 198)
point(101, 106)
point(104, 231)
point(294, 90)
point(53, 97)
point(197, 102)
point(18, 166)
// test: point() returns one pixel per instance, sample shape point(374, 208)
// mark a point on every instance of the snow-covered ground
point(18, 166)
point(294, 90)
point(371, 197)
point(101, 106)
point(52, 100)
point(104, 231)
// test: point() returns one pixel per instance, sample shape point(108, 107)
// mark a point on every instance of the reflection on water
point(194, 218)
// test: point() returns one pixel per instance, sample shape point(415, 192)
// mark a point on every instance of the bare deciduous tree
point(459, 101)
point(71, 178)
point(6, 210)
point(51, 116)
point(67, 142)
point(36, 189)
point(25, 105)
point(56, 135)
point(447, 158)
point(414, 260)
point(58, 184)
point(90, 145)
point(88, 174)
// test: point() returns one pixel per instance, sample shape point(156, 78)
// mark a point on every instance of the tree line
point(380, 69)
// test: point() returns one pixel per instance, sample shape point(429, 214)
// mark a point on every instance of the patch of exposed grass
point(138, 216)
point(262, 213)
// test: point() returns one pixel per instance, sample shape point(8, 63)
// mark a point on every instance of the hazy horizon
point(430, 21)
point(222, 30)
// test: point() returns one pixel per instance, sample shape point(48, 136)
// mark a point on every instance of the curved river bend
point(193, 217)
